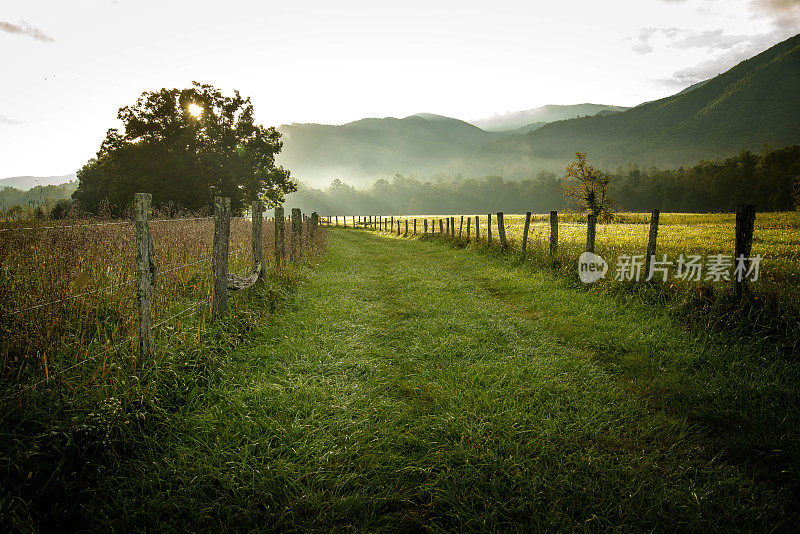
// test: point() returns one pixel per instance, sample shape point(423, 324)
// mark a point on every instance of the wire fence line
point(185, 219)
point(101, 320)
point(191, 308)
point(93, 225)
point(67, 298)
point(65, 227)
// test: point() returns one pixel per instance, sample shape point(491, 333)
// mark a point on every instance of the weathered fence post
point(280, 238)
point(501, 230)
point(415, 226)
point(219, 261)
point(525, 232)
point(314, 224)
point(591, 225)
point(553, 233)
point(477, 229)
point(651, 243)
point(406, 233)
point(441, 227)
point(745, 224)
point(297, 234)
point(489, 230)
point(257, 214)
point(452, 227)
point(425, 226)
point(398, 226)
point(468, 221)
point(460, 226)
point(145, 270)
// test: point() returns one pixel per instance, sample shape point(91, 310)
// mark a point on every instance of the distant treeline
point(37, 201)
point(770, 179)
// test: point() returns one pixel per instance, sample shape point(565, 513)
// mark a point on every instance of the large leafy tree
point(186, 146)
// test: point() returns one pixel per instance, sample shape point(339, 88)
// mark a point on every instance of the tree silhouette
point(186, 146)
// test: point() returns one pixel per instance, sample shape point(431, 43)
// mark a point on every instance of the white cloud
point(4, 119)
point(785, 14)
point(23, 28)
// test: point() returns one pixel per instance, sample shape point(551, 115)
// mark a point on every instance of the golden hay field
point(776, 238)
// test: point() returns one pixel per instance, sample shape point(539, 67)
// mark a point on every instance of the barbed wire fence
point(448, 229)
point(136, 276)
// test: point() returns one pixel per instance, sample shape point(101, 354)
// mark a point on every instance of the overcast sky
point(69, 66)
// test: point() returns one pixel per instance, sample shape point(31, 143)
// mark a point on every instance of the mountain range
point(755, 103)
point(23, 183)
point(531, 119)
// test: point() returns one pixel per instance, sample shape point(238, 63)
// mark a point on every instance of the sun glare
point(195, 110)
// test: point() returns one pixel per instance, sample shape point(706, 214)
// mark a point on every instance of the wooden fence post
point(489, 230)
point(425, 226)
point(745, 223)
point(406, 233)
point(525, 232)
point(314, 224)
point(460, 226)
point(297, 234)
point(280, 238)
point(441, 227)
point(591, 225)
point(477, 229)
point(553, 233)
point(501, 230)
point(651, 243)
point(145, 270)
point(222, 234)
point(468, 221)
point(452, 227)
point(398, 226)
point(257, 215)
point(415, 226)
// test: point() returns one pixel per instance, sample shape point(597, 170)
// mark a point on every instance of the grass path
point(416, 385)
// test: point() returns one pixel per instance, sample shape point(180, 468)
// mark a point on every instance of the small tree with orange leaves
point(587, 187)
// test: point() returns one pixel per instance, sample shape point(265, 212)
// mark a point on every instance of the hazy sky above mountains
point(68, 66)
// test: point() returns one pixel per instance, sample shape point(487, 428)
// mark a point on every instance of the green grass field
point(416, 385)
point(776, 238)
point(773, 313)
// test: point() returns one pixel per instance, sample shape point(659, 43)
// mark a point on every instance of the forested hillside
point(769, 179)
point(756, 103)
